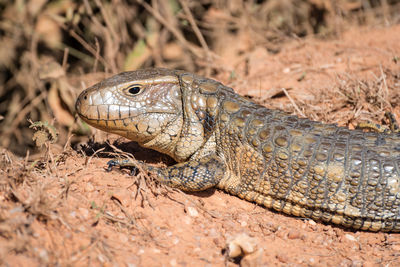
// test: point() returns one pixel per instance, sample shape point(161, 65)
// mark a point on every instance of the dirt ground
point(75, 213)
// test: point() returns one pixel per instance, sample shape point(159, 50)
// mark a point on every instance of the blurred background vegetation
point(51, 50)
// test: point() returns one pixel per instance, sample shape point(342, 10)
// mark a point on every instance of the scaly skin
point(301, 167)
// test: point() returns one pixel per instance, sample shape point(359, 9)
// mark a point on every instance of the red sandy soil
point(76, 213)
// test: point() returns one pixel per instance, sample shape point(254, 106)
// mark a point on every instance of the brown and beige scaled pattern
point(220, 139)
point(80, 214)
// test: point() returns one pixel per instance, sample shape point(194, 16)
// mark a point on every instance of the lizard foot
point(123, 164)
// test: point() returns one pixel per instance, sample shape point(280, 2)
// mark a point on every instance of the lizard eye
point(133, 89)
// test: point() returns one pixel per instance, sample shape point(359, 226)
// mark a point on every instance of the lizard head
point(144, 106)
point(170, 111)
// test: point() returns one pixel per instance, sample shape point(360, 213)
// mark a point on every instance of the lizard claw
point(123, 164)
point(111, 164)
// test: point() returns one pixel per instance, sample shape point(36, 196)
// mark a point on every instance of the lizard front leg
point(193, 175)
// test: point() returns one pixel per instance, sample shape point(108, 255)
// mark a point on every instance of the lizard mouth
point(129, 123)
point(110, 112)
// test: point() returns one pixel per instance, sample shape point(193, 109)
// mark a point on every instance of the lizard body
point(219, 138)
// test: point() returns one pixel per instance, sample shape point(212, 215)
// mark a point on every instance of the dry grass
point(354, 100)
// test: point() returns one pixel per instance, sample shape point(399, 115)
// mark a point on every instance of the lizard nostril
point(85, 97)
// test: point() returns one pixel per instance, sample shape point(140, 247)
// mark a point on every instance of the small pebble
point(89, 187)
point(286, 70)
point(123, 238)
point(311, 222)
point(84, 213)
point(294, 234)
point(173, 262)
point(187, 220)
point(241, 244)
point(282, 258)
point(350, 237)
point(192, 211)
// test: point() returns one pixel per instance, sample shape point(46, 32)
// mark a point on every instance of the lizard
point(220, 139)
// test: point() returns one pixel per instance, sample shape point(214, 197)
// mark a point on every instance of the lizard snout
point(82, 104)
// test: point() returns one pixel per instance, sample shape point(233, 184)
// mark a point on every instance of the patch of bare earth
point(68, 210)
